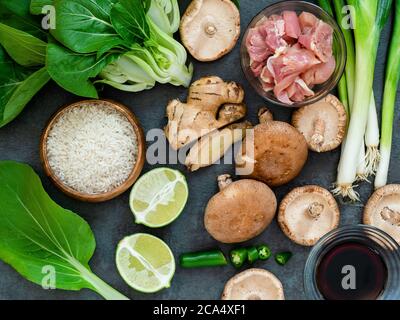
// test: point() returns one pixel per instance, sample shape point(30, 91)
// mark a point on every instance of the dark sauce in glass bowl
point(351, 271)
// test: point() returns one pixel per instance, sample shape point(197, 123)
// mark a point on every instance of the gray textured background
point(111, 221)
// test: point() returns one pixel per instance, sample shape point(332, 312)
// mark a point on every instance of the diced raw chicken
point(294, 61)
point(256, 46)
point(284, 98)
point(319, 73)
point(307, 22)
point(292, 25)
point(256, 67)
point(283, 85)
point(267, 87)
point(274, 30)
point(266, 76)
point(291, 54)
point(319, 40)
point(299, 90)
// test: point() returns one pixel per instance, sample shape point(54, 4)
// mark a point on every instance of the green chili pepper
point(283, 257)
point(203, 259)
point(252, 254)
point(238, 257)
point(264, 252)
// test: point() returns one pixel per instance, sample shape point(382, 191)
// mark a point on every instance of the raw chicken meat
point(290, 54)
point(292, 24)
point(319, 73)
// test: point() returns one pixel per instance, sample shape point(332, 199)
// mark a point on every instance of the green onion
point(372, 156)
point(342, 86)
point(349, 39)
point(389, 100)
point(371, 16)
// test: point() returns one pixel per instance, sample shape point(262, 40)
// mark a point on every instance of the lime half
point(145, 262)
point(159, 197)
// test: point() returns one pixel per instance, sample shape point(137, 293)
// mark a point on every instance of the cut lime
point(145, 262)
point(159, 197)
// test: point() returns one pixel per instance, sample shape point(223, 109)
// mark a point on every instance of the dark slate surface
point(111, 221)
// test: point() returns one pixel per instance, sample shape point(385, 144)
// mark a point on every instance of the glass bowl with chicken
point(293, 53)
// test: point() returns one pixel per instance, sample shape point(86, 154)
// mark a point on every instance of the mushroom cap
point(323, 123)
point(280, 153)
point(383, 210)
point(240, 211)
point(253, 284)
point(308, 213)
point(210, 28)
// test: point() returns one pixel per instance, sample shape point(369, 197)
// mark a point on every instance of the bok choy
point(371, 17)
point(389, 101)
point(37, 235)
point(22, 58)
point(121, 41)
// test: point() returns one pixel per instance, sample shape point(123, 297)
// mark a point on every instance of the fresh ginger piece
point(211, 104)
point(210, 148)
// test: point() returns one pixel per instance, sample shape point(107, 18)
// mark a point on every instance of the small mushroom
point(383, 210)
point(323, 123)
point(210, 28)
point(308, 213)
point(240, 211)
point(253, 284)
point(274, 154)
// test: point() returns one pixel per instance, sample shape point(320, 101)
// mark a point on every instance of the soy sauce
point(351, 271)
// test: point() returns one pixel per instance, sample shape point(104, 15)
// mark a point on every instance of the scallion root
point(372, 159)
point(347, 191)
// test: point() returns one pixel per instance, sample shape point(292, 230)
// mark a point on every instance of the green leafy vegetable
point(35, 232)
point(36, 6)
point(24, 48)
point(16, 14)
point(119, 42)
point(129, 19)
point(18, 85)
point(74, 71)
point(84, 26)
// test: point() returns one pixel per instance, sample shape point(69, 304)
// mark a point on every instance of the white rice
point(92, 148)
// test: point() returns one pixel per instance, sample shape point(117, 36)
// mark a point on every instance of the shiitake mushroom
point(240, 211)
point(274, 154)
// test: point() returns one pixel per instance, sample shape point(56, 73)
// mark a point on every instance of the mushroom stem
point(315, 209)
point(264, 115)
point(224, 181)
point(391, 216)
point(317, 138)
point(210, 29)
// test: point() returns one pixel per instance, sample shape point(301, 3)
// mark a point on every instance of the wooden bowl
point(101, 196)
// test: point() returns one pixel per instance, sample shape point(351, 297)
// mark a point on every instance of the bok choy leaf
point(35, 233)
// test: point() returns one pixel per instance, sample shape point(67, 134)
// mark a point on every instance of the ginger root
point(211, 105)
point(210, 148)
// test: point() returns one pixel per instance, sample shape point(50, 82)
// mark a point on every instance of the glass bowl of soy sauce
point(354, 263)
